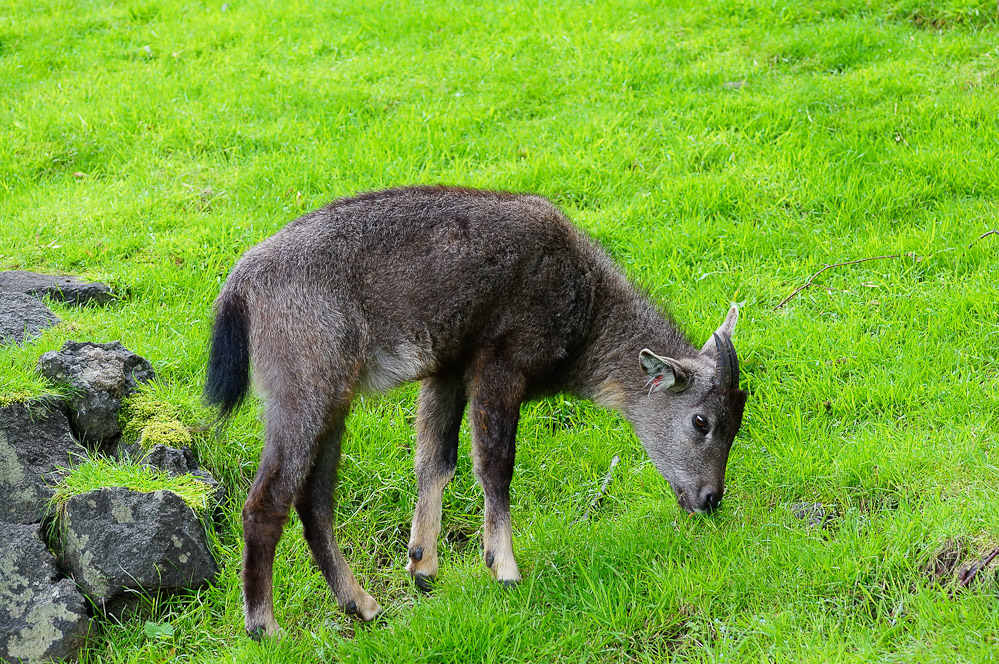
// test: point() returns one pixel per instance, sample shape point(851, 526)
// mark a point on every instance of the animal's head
point(690, 415)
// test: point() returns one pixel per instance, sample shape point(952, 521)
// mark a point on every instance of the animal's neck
point(624, 322)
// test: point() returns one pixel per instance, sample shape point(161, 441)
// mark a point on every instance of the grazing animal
point(488, 299)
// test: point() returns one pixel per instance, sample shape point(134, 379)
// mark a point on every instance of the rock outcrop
point(42, 617)
point(100, 375)
point(117, 543)
point(22, 318)
point(35, 441)
point(177, 462)
point(58, 287)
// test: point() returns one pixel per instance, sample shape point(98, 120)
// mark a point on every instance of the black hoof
point(351, 608)
point(424, 582)
point(508, 585)
point(256, 633)
point(416, 553)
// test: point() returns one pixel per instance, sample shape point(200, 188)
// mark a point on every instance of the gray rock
point(101, 375)
point(170, 459)
point(118, 542)
point(22, 318)
point(35, 440)
point(42, 617)
point(63, 288)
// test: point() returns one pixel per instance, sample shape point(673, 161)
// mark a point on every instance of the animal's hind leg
point(442, 403)
point(289, 449)
point(315, 507)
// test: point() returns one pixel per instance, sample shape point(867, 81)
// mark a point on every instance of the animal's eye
point(701, 423)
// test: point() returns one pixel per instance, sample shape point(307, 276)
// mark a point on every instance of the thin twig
point(811, 278)
point(603, 489)
point(967, 576)
point(994, 231)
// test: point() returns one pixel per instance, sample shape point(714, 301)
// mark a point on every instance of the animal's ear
point(664, 373)
point(726, 330)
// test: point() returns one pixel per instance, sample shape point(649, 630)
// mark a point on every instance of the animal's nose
point(710, 499)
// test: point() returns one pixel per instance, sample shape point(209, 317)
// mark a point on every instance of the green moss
point(17, 396)
point(140, 412)
point(99, 473)
point(172, 434)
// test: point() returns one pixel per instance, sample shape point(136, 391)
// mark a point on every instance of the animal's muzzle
point(707, 501)
point(710, 500)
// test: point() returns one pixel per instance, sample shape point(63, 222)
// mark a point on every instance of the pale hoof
point(422, 567)
point(365, 607)
point(504, 567)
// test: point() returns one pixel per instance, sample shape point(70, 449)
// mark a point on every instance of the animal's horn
point(727, 365)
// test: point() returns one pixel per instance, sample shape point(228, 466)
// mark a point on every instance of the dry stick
point(809, 282)
point(603, 488)
point(994, 231)
point(966, 577)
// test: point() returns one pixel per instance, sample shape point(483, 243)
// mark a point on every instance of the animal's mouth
point(683, 500)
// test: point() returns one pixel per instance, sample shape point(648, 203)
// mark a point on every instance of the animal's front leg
point(495, 412)
point(442, 403)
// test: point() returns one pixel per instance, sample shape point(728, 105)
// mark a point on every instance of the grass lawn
point(721, 152)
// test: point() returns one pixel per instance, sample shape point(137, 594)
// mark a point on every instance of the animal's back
point(428, 275)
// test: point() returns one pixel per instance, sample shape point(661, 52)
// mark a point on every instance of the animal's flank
point(228, 375)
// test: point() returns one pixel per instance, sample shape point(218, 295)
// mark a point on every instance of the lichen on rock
point(41, 617)
point(35, 441)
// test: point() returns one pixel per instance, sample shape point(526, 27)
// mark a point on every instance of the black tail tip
point(228, 376)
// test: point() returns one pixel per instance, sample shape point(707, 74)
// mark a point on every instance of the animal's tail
point(228, 379)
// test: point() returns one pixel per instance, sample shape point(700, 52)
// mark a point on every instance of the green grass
point(148, 144)
point(97, 472)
